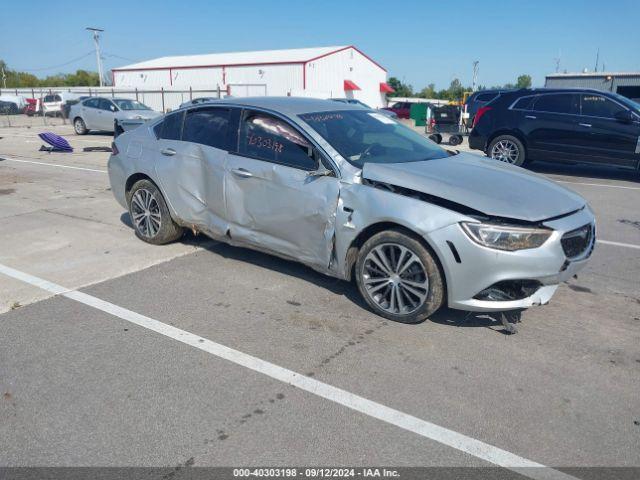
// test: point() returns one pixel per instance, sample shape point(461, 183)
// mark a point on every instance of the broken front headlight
point(505, 237)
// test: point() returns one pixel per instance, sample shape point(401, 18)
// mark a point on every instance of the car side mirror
point(321, 171)
point(624, 116)
point(113, 108)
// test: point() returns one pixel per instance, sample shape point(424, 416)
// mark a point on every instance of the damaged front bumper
point(484, 279)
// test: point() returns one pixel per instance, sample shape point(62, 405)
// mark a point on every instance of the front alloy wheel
point(398, 277)
point(395, 279)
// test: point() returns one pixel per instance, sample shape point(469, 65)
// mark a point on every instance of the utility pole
point(476, 67)
point(4, 78)
point(96, 41)
point(557, 61)
point(597, 58)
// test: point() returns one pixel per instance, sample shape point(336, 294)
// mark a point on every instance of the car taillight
point(114, 149)
point(481, 111)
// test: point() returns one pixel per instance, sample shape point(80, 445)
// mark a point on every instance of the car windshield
point(362, 136)
point(628, 102)
point(130, 105)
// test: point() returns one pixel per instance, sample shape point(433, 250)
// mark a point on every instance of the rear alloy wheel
point(508, 149)
point(399, 278)
point(150, 216)
point(79, 126)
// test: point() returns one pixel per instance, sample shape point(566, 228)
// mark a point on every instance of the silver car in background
point(107, 114)
point(355, 195)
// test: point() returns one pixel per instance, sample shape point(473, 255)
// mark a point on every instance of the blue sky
point(418, 41)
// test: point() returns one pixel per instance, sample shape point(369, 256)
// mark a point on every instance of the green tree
point(401, 89)
point(428, 92)
point(82, 78)
point(524, 81)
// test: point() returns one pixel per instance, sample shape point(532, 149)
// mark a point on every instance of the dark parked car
point(479, 99)
point(401, 109)
point(9, 108)
point(563, 125)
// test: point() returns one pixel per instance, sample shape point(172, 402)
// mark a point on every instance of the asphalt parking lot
point(202, 354)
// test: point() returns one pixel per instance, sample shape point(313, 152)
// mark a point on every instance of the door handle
point(531, 117)
point(585, 125)
point(241, 172)
point(169, 152)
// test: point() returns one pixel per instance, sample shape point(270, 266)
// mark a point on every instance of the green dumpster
point(418, 114)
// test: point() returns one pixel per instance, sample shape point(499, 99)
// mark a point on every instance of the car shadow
point(490, 320)
point(602, 172)
point(270, 262)
point(444, 316)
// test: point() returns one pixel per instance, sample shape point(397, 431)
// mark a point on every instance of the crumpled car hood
point(482, 184)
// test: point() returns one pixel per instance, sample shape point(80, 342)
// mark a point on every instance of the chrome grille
point(576, 242)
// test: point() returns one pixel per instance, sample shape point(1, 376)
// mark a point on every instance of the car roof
point(538, 91)
point(286, 105)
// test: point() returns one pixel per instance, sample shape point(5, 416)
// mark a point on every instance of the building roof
point(295, 55)
point(593, 74)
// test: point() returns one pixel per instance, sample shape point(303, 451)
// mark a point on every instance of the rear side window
point(523, 104)
point(172, 126)
point(92, 102)
point(207, 126)
point(269, 138)
point(599, 106)
point(557, 103)
point(486, 97)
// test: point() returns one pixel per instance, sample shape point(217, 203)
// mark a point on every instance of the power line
point(54, 66)
point(118, 56)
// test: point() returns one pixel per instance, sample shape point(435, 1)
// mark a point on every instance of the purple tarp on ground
point(56, 141)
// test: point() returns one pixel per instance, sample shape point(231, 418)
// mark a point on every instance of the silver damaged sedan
point(356, 195)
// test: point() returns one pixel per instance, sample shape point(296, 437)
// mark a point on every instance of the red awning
point(386, 88)
point(349, 85)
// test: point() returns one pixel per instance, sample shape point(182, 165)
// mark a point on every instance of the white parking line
point(52, 165)
point(598, 185)
point(350, 400)
point(619, 244)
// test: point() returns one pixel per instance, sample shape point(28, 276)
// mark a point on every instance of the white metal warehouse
point(323, 72)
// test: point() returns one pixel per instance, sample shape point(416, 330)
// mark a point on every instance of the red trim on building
point(386, 88)
point(223, 65)
point(347, 48)
point(349, 85)
point(189, 67)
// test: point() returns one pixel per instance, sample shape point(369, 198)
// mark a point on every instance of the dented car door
point(272, 201)
point(191, 157)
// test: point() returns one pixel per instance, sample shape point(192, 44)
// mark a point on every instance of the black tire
point(160, 229)
point(436, 137)
point(508, 149)
point(426, 266)
point(79, 126)
point(117, 130)
point(455, 140)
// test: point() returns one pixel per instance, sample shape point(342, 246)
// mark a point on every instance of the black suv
point(479, 99)
point(564, 125)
